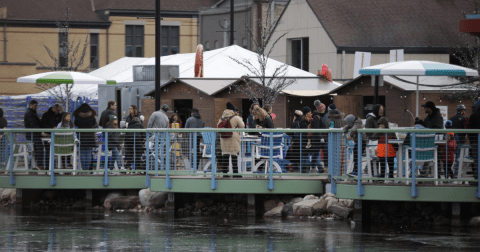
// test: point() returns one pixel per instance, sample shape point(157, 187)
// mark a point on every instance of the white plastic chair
point(463, 159)
point(24, 149)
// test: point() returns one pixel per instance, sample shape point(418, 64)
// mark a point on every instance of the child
point(387, 152)
point(113, 142)
point(452, 146)
point(354, 123)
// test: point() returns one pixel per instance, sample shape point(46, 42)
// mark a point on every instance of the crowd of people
point(312, 146)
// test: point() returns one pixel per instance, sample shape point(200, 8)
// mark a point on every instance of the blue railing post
point(12, 177)
point(53, 180)
point(194, 165)
point(105, 177)
point(360, 187)
point(156, 153)
point(213, 183)
point(147, 157)
point(414, 189)
point(477, 192)
point(270, 181)
point(168, 181)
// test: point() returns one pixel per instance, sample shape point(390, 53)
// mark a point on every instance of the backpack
point(225, 123)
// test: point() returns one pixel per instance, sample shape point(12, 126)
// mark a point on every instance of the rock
point(295, 200)
point(79, 204)
point(9, 195)
point(109, 197)
point(326, 195)
point(154, 199)
point(124, 202)
point(345, 203)
point(319, 212)
point(427, 210)
point(200, 204)
point(342, 211)
point(275, 212)
point(270, 204)
point(310, 197)
point(324, 202)
point(332, 202)
point(305, 208)
point(475, 221)
point(287, 209)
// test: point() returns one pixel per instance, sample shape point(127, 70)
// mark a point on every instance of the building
point(108, 29)
point(330, 32)
point(214, 22)
point(356, 97)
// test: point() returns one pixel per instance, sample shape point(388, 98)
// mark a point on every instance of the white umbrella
point(64, 77)
point(418, 68)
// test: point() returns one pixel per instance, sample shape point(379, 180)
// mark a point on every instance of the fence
point(373, 157)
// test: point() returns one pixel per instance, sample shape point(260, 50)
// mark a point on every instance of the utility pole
point(231, 22)
point(158, 49)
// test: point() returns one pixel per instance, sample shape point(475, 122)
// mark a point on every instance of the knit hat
point(448, 124)
point(477, 104)
point(321, 107)
point(298, 113)
point(305, 110)
point(112, 118)
point(350, 119)
point(230, 106)
point(332, 106)
point(316, 103)
point(165, 107)
point(384, 121)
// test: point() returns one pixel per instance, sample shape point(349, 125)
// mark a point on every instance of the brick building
point(356, 97)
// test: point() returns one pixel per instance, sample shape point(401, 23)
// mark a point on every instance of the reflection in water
point(99, 231)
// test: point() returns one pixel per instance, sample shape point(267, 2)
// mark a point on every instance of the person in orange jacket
point(386, 154)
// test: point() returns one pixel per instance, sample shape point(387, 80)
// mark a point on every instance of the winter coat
point(473, 123)
point(86, 120)
point(336, 117)
point(318, 123)
point(459, 122)
point(3, 121)
point(158, 120)
point(104, 117)
point(265, 124)
point(32, 121)
point(50, 119)
point(381, 144)
point(134, 139)
point(295, 125)
point(452, 146)
point(353, 132)
point(305, 136)
point(113, 138)
point(434, 120)
point(130, 118)
point(194, 122)
point(231, 146)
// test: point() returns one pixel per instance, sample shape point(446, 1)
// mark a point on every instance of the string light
point(424, 97)
point(301, 101)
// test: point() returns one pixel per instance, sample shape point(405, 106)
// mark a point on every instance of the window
point(300, 53)
point(170, 40)
point(94, 50)
point(134, 35)
point(216, 44)
point(63, 49)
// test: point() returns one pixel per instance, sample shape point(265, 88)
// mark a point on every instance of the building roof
point(392, 23)
point(170, 5)
point(80, 10)
point(207, 86)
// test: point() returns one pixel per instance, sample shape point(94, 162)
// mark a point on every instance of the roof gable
point(166, 5)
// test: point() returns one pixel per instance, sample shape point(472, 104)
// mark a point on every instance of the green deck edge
point(74, 182)
point(402, 193)
point(257, 186)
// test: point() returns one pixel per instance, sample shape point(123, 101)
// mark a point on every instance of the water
point(99, 231)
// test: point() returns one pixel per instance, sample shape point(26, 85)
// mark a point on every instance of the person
point(474, 123)
point(319, 143)
point(132, 113)
point(262, 119)
point(336, 117)
point(294, 150)
point(175, 122)
point(114, 143)
point(385, 152)
point(354, 123)
point(230, 146)
point(373, 117)
point(159, 119)
point(52, 117)
point(459, 121)
point(134, 145)
point(269, 110)
point(446, 154)
point(250, 119)
point(31, 120)
point(434, 119)
point(66, 122)
point(330, 107)
point(104, 117)
point(3, 120)
point(195, 122)
point(85, 118)
point(305, 137)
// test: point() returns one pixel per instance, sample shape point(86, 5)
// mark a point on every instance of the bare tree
point(71, 57)
point(270, 86)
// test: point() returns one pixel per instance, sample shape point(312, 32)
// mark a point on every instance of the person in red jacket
point(386, 153)
point(447, 155)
